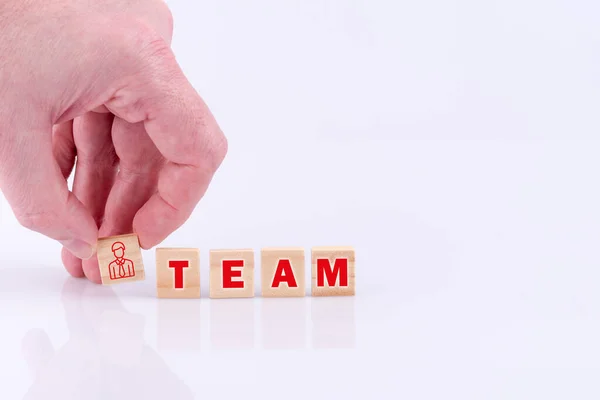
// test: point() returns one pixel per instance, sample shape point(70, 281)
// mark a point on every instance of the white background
point(453, 143)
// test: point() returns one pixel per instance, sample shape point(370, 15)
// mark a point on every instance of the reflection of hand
point(101, 76)
point(104, 358)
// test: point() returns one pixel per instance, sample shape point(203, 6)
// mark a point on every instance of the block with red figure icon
point(282, 272)
point(177, 273)
point(231, 273)
point(120, 259)
point(333, 271)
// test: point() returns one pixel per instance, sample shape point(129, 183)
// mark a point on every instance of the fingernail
point(79, 248)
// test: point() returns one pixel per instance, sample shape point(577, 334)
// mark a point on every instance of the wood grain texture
point(120, 259)
point(282, 261)
point(166, 275)
point(218, 271)
point(328, 257)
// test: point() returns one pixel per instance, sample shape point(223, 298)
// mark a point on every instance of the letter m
point(326, 271)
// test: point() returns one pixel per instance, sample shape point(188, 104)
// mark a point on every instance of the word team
point(231, 271)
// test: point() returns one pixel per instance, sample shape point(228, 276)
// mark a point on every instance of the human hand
point(94, 82)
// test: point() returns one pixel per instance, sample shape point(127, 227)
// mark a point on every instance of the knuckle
point(221, 148)
point(214, 150)
point(146, 72)
point(39, 221)
point(143, 42)
point(157, 65)
point(168, 15)
point(155, 49)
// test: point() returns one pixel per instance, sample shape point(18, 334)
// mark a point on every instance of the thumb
point(37, 192)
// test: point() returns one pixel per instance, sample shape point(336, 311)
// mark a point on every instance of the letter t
point(178, 266)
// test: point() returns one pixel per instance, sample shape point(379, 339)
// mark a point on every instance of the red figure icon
point(121, 267)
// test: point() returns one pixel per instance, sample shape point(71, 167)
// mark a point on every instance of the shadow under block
point(231, 273)
point(282, 272)
point(177, 273)
point(120, 259)
point(333, 271)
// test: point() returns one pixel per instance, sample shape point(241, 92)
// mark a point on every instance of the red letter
point(179, 266)
point(229, 273)
point(284, 273)
point(340, 268)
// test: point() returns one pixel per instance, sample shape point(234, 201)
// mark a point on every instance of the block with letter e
point(231, 273)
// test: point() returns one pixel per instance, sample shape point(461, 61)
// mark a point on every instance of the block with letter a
point(178, 273)
point(333, 271)
point(282, 271)
point(231, 273)
point(120, 259)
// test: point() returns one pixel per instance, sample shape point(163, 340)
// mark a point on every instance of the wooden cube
point(231, 273)
point(333, 271)
point(177, 273)
point(120, 259)
point(282, 272)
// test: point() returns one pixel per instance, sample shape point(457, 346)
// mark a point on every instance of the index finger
point(184, 131)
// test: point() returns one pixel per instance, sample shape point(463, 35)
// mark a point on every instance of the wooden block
point(120, 259)
point(333, 271)
point(231, 273)
point(178, 273)
point(282, 272)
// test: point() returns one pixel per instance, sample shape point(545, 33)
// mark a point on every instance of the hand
point(94, 82)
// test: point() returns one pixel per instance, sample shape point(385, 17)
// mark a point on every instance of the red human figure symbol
point(120, 267)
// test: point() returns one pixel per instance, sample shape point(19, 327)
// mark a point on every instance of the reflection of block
point(178, 273)
point(231, 273)
point(333, 271)
point(282, 272)
point(333, 322)
point(179, 325)
point(232, 327)
point(120, 259)
point(284, 323)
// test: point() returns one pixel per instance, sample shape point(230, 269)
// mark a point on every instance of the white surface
point(477, 260)
point(477, 271)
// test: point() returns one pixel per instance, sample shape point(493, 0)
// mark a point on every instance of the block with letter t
point(178, 273)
